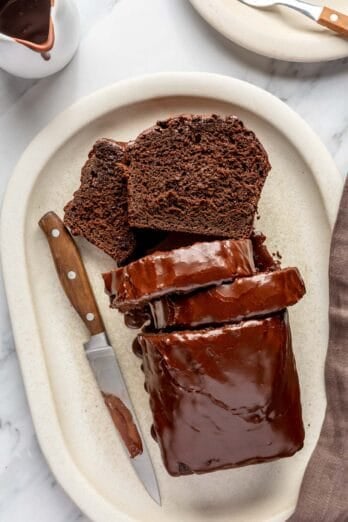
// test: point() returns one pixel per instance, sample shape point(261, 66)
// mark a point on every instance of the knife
point(101, 356)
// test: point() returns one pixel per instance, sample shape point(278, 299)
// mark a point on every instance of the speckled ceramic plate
point(276, 32)
point(298, 208)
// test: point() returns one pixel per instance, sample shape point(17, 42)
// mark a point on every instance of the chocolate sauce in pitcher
point(27, 20)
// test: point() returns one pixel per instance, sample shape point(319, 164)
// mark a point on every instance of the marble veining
point(120, 39)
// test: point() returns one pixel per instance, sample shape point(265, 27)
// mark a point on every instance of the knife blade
point(98, 350)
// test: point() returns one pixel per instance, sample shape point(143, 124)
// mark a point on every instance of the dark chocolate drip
point(137, 349)
point(124, 423)
point(153, 433)
point(25, 19)
point(46, 56)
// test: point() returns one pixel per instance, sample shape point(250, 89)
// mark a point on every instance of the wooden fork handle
point(334, 20)
point(71, 272)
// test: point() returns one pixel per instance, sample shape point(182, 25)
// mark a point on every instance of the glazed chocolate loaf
point(197, 174)
point(98, 210)
point(180, 270)
point(223, 397)
point(260, 294)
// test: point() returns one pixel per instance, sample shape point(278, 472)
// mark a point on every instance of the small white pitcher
point(27, 59)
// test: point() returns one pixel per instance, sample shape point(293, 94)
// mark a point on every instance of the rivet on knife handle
point(71, 272)
point(334, 20)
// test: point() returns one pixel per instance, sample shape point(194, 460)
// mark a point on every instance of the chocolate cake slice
point(98, 210)
point(197, 174)
point(260, 294)
point(224, 397)
point(166, 313)
point(179, 270)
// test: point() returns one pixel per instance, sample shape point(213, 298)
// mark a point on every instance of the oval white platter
point(297, 209)
point(276, 32)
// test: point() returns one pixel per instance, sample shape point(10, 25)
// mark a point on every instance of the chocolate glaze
point(46, 56)
point(180, 270)
point(245, 297)
point(137, 317)
point(124, 423)
point(224, 397)
point(25, 19)
point(264, 261)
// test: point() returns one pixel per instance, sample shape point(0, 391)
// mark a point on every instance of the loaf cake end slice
point(98, 210)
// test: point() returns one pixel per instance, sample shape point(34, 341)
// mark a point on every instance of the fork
point(325, 16)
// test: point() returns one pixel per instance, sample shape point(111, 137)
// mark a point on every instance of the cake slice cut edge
point(197, 174)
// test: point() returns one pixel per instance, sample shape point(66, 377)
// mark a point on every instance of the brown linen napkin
point(324, 491)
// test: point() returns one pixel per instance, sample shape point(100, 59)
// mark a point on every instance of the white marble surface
point(123, 38)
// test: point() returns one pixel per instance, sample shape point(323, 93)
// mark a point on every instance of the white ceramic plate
point(276, 32)
point(297, 209)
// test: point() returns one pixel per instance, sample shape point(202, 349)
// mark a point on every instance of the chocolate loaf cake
point(197, 174)
point(260, 294)
point(175, 208)
point(179, 270)
point(223, 397)
point(98, 210)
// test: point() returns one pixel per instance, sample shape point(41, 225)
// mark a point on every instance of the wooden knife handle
point(334, 20)
point(71, 272)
